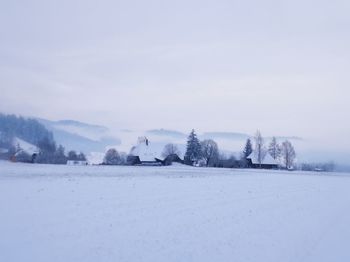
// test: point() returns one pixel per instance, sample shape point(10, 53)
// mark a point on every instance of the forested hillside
point(28, 129)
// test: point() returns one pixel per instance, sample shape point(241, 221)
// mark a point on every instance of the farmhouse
point(144, 154)
point(267, 162)
point(148, 154)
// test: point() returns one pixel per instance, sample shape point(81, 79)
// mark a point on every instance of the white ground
point(69, 214)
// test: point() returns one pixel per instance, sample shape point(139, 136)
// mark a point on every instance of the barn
point(147, 154)
point(144, 154)
point(267, 163)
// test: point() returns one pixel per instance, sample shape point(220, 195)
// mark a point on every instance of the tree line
point(206, 152)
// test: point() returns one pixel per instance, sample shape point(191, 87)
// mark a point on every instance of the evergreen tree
point(47, 152)
point(72, 155)
point(248, 149)
point(59, 156)
point(193, 149)
point(47, 146)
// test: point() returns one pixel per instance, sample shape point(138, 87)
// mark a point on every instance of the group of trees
point(204, 152)
point(207, 153)
point(170, 149)
point(284, 154)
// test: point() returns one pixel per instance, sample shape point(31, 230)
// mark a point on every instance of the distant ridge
point(287, 138)
point(80, 136)
point(225, 135)
point(243, 136)
point(72, 123)
point(165, 132)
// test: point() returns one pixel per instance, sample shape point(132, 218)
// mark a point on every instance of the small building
point(172, 158)
point(147, 154)
point(77, 163)
point(267, 162)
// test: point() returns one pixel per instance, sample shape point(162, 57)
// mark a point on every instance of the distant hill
point(241, 136)
point(293, 138)
point(225, 135)
point(168, 133)
point(75, 135)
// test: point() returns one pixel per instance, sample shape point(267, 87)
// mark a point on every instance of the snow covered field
point(90, 213)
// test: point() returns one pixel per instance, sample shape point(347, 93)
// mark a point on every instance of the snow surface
point(25, 146)
point(177, 213)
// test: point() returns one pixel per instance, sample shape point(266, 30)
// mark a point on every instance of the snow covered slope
point(27, 147)
point(104, 213)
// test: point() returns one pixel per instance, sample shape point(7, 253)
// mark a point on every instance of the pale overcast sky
point(280, 66)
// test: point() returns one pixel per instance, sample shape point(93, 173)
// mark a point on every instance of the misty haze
point(174, 131)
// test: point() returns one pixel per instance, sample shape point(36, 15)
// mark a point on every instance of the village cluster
point(206, 153)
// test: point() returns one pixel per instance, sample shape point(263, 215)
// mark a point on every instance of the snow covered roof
point(145, 150)
point(267, 160)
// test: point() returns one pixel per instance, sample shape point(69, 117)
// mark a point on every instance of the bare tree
point(274, 149)
point(112, 157)
point(170, 149)
point(260, 150)
point(210, 151)
point(248, 149)
point(123, 158)
point(288, 154)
